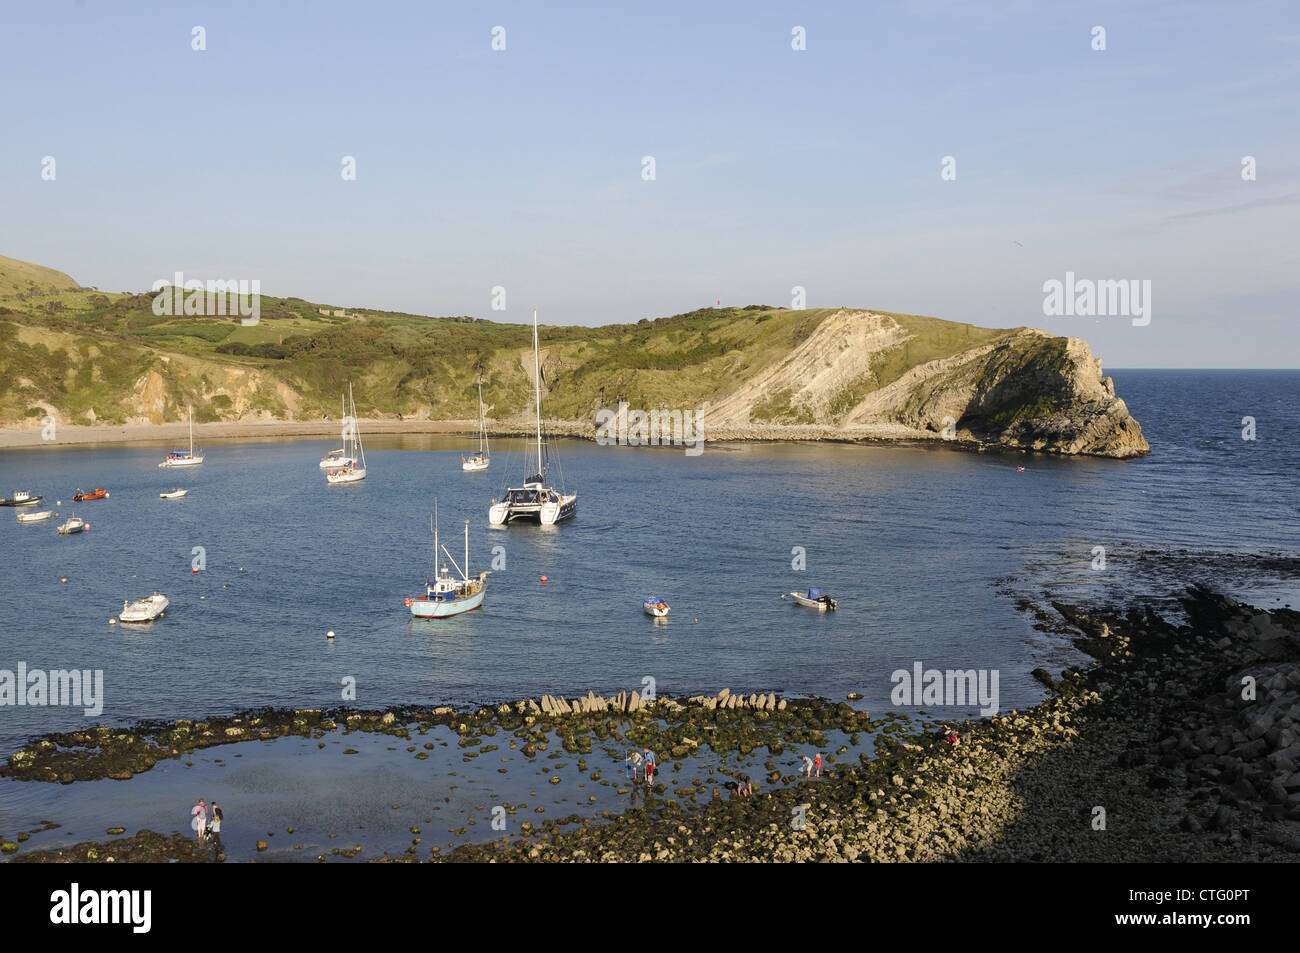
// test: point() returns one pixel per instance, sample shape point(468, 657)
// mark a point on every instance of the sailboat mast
point(357, 445)
point(482, 421)
point(435, 538)
point(467, 550)
point(537, 380)
point(191, 411)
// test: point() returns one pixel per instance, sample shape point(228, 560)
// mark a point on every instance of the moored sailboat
point(338, 459)
point(350, 472)
point(480, 460)
point(180, 458)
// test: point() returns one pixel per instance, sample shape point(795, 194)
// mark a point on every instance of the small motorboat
point(814, 600)
point(75, 524)
point(175, 494)
point(35, 517)
point(144, 610)
point(98, 493)
point(22, 498)
point(656, 608)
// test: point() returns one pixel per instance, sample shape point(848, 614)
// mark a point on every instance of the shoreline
point(1155, 733)
point(116, 435)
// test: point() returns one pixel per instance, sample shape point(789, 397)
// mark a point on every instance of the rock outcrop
point(1022, 389)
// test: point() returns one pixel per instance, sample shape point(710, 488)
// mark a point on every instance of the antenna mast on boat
point(537, 380)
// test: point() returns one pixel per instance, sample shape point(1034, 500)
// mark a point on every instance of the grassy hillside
point(109, 358)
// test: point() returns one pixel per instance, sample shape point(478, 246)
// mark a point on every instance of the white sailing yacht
point(480, 460)
point(179, 458)
point(337, 459)
point(351, 473)
point(535, 500)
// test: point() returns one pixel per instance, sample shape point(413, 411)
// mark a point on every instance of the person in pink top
point(200, 821)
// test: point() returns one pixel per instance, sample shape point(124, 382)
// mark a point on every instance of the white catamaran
point(351, 472)
point(179, 458)
point(445, 595)
point(535, 500)
point(480, 460)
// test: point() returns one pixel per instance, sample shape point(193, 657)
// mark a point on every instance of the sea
point(927, 552)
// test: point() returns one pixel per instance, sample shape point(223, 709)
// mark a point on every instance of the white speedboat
point(481, 460)
point(350, 472)
point(446, 595)
point(35, 517)
point(535, 500)
point(22, 498)
point(74, 524)
point(656, 608)
point(175, 494)
point(182, 458)
point(814, 600)
point(144, 610)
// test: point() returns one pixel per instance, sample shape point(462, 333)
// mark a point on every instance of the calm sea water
point(926, 551)
point(911, 542)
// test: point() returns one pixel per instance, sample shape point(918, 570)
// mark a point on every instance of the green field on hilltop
point(87, 352)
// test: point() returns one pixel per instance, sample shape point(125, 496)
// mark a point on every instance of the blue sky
point(775, 168)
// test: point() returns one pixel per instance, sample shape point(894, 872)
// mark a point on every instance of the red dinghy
point(95, 494)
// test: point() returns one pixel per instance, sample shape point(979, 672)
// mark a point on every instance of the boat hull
point(35, 517)
point(172, 495)
point(474, 464)
point(181, 462)
point(547, 514)
point(812, 603)
point(144, 610)
point(67, 529)
point(22, 501)
point(345, 476)
point(426, 608)
point(652, 609)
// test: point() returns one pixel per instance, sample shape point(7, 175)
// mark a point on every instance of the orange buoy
point(543, 579)
point(64, 579)
point(195, 570)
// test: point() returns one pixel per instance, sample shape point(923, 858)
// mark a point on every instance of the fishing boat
point(445, 595)
point(98, 493)
point(35, 517)
point(180, 458)
point(535, 500)
point(350, 472)
point(22, 498)
point(338, 459)
point(814, 600)
point(144, 610)
point(75, 524)
point(656, 608)
point(480, 460)
point(175, 494)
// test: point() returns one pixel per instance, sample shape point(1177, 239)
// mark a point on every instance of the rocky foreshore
point(1181, 743)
